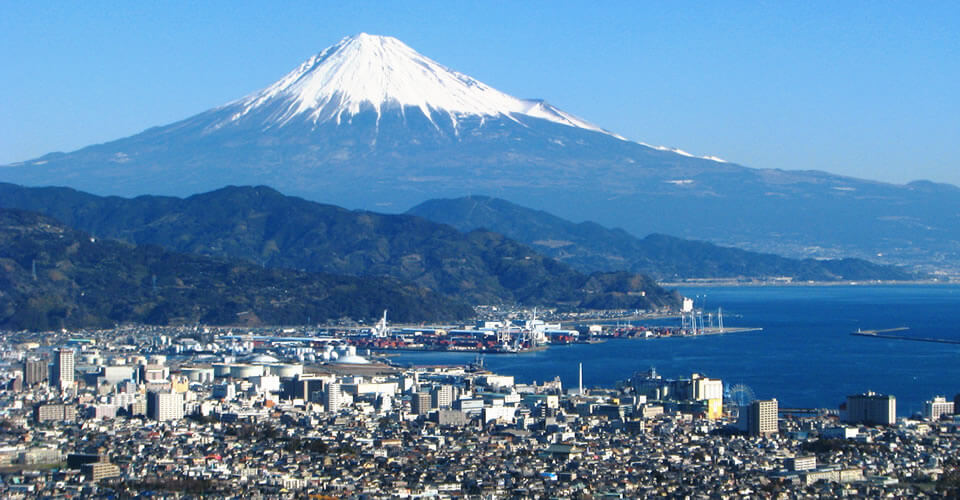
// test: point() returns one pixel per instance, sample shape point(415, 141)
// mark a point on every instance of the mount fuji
point(370, 123)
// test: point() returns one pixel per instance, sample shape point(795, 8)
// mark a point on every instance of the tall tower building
point(63, 368)
point(763, 417)
point(333, 397)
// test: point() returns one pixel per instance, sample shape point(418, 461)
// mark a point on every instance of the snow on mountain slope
point(365, 72)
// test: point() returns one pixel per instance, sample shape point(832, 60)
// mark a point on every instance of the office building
point(762, 417)
point(711, 391)
point(63, 368)
point(333, 397)
point(420, 403)
point(100, 470)
point(801, 463)
point(871, 409)
point(35, 371)
point(939, 406)
point(164, 406)
point(469, 406)
point(47, 412)
point(441, 396)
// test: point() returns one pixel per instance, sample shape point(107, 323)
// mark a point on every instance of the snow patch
point(683, 153)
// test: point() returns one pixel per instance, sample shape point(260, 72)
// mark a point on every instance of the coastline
point(767, 283)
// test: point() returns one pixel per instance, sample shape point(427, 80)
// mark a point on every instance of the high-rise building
point(420, 403)
point(35, 371)
point(333, 397)
point(934, 409)
point(441, 396)
point(164, 406)
point(871, 409)
point(763, 417)
point(63, 368)
point(709, 390)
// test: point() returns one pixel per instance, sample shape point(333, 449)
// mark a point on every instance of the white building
point(933, 410)
point(763, 417)
point(441, 396)
point(64, 368)
point(706, 388)
point(165, 406)
point(333, 398)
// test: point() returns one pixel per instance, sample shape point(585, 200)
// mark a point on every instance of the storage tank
point(246, 371)
point(200, 374)
point(284, 370)
point(221, 370)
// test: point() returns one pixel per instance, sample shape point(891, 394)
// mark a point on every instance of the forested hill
point(55, 277)
point(263, 226)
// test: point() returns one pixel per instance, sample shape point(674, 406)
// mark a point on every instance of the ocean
point(805, 356)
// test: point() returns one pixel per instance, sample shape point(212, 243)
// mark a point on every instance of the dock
point(729, 329)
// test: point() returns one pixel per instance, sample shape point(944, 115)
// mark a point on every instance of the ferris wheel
point(740, 395)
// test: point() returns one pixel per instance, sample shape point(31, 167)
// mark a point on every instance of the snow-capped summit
point(370, 72)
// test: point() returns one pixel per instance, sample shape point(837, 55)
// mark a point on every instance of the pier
point(729, 329)
point(887, 334)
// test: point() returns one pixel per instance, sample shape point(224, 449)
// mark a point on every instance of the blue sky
point(867, 89)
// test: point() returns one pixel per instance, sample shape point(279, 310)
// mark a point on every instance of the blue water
point(804, 357)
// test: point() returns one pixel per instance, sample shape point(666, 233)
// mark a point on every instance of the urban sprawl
point(191, 411)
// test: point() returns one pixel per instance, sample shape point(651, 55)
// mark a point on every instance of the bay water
point(805, 356)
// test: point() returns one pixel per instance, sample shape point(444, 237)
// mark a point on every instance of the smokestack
point(581, 379)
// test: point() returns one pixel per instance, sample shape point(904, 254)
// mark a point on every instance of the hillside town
point(192, 411)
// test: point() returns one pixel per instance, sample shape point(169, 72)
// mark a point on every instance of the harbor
point(508, 330)
point(522, 331)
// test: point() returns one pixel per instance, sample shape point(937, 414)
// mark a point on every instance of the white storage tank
point(246, 371)
point(283, 370)
point(199, 374)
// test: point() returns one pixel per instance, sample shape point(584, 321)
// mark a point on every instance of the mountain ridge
point(263, 226)
point(590, 247)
